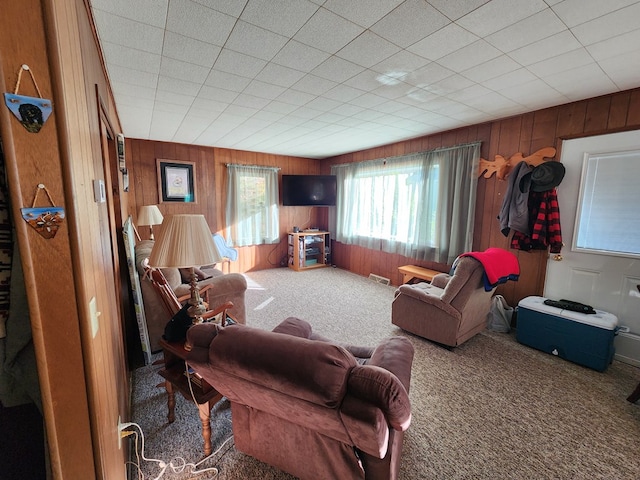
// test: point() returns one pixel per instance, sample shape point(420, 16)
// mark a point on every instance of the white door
point(607, 282)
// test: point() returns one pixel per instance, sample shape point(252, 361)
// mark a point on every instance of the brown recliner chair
point(450, 310)
point(311, 407)
point(224, 288)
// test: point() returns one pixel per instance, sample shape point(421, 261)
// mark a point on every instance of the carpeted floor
point(490, 409)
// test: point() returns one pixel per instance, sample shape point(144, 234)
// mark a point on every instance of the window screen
point(608, 217)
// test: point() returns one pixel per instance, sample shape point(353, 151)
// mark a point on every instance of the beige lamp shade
point(184, 241)
point(149, 215)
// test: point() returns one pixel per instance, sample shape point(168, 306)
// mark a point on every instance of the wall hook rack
point(502, 166)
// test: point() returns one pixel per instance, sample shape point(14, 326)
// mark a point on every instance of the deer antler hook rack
point(501, 166)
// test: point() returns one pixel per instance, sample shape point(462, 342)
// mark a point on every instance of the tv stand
point(309, 249)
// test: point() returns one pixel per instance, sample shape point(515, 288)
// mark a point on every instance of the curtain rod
point(250, 166)
point(440, 149)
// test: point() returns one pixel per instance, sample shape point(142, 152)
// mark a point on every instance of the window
point(252, 205)
point(607, 220)
point(420, 205)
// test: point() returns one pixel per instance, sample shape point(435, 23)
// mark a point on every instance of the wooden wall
point(81, 363)
point(211, 191)
point(522, 133)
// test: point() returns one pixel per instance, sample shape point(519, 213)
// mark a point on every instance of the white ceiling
point(316, 78)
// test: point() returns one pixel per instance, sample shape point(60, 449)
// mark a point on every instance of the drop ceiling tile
point(189, 50)
point(175, 85)
point(251, 101)
point(624, 70)
point(621, 44)
point(280, 107)
point(171, 108)
point(347, 110)
point(363, 12)
point(151, 12)
point(135, 121)
point(295, 97)
point(343, 93)
point(443, 42)
point(469, 93)
point(313, 85)
point(535, 91)
point(240, 111)
point(190, 72)
point(469, 56)
point(218, 94)
point(206, 108)
point(368, 100)
point(133, 91)
point(336, 69)
point(131, 58)
point(544, 49)
point(239, 63)
point(576, 12)
point(365, 81)
point(578, 81)
point(368, 49)
point(255, 41)
point(230, 7)
point(279, 75)
point(327, 31)
point(512, 79)
point(495, 67)
point(498, 14)
point(133, 77)
point(330, 117)
point(228, 81)
point(427, 75)
point(457, 9)
point(128, 33)
point(177, 98)
point(323, 104)
point(401, 63)
point(193, 20)
point(305, 113)
point(264, 90)
point(281, 16)
point(300, 57)
point(268, 116)
point(611, 25)
point(409, 23)
point(491, 101)
point(392, 92)
point(536, 27)
point(560, 63)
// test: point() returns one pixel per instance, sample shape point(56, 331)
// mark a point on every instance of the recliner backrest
point(467, 278)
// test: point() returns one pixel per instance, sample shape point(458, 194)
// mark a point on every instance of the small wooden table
point(412, 272)
point(175, 379)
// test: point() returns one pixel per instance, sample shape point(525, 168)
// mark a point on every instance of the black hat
point(546, 176)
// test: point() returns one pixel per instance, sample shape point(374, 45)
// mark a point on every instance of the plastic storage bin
point(585, 339)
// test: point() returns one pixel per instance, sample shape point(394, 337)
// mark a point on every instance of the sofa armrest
point(380, 387)
point(440, 280)
point(428, 294)
point(199, 338)
point(395, 354)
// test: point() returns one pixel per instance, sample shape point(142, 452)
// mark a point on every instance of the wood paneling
point(522, 133)
point(211, 178)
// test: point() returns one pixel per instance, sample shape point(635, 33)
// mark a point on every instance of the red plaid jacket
point(544, 224)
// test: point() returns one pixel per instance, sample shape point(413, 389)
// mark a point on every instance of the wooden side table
point(175, 379)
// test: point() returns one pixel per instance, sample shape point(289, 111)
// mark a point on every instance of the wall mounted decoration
point(176, 181)
point(45, 220)
point(122, 163)
point(32, 112)
point(501, 166)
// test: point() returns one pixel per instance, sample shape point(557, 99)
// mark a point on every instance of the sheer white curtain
point(252, 205)
point(420, 205)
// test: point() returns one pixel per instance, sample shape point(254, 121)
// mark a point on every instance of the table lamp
point(185, 241)
point(150, 215)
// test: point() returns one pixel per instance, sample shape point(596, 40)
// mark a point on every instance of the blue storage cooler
point(580, 338)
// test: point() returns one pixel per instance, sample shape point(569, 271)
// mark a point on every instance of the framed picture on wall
point(176, 181)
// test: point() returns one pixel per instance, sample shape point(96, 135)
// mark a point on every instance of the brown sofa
point(311, 407)
point(229, 287)
point(450, 310)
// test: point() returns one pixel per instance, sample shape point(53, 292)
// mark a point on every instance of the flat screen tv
point(303, 190)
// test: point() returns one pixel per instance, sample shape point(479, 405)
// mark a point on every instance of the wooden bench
point(412, 272)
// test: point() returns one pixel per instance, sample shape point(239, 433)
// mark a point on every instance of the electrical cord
point(177, 464)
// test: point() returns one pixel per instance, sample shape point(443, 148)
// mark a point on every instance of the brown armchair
point(219, 288)
point(313, 408)
point(450, 310)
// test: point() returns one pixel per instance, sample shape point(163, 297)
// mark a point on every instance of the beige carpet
point(490, 409)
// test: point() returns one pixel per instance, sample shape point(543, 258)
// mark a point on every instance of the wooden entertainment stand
point(309, 249)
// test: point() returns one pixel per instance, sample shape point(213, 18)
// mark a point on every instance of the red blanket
point(499, 266)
